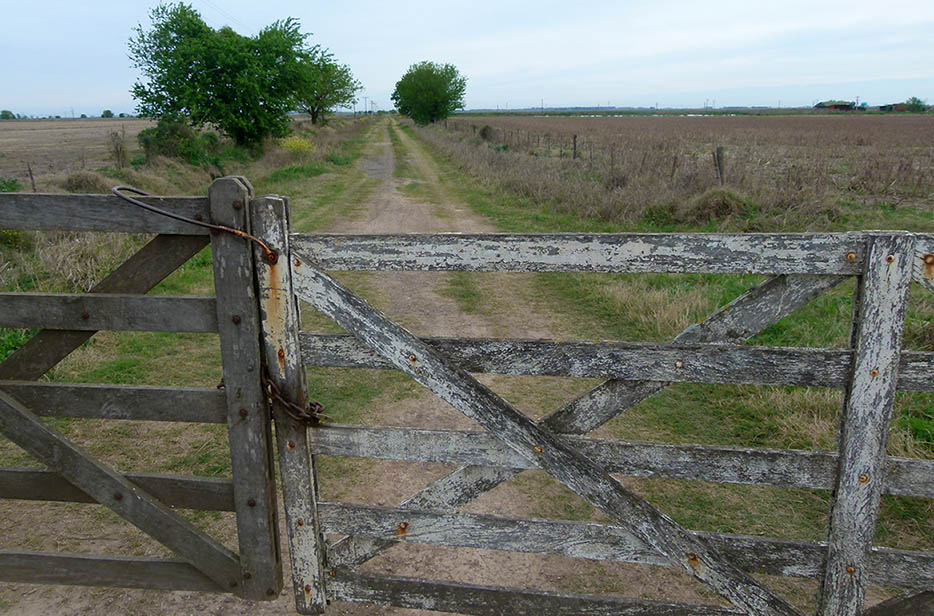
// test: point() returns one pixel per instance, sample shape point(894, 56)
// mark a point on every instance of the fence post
point(248, 422)
point(574, 157)
point(286, 372)
point(879, 318)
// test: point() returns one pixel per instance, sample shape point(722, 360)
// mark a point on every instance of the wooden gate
point(119, 303)
point(265, 355)
point(804, 267)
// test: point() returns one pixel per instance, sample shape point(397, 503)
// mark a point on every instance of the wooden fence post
point(286, 371)
point(248, 422)
point(574, 157)
point(879, 315)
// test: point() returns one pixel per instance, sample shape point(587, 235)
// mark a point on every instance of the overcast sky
point(71, 57)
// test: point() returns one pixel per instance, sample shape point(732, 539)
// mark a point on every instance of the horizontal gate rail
point(887, 567)
point(116, 571)
point(674, 363)
point(49, 212)
point(205, 493)
point(771, 467)
point(137, 402)
point(90, 311)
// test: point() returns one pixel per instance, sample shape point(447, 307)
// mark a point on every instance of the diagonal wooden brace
point(539, 446)
point(739, 320)
point(117, 493)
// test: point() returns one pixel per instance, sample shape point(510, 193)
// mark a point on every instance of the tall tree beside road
point(324, 85)
point(429, 92)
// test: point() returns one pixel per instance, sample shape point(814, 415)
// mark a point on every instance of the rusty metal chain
point(271, 256)
point(312, 415)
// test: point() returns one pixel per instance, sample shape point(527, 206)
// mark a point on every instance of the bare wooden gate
point(804, 266)
point(255, 312)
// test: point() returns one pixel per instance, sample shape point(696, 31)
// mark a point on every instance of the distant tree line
point(243, 85)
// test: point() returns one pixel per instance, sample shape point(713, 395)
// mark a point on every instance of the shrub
point(88, 182)
point(107, 113)
point(176, 139)
point(486, 132)
point(298, 147)
point(10, 184)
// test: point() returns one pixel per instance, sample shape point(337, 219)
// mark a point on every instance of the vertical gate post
point(248, 422)
point(879, 315)
point(280, 324)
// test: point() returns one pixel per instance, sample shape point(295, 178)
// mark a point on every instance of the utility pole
point(365, 108)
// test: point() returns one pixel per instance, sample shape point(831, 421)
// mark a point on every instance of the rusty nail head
point(308, 587)
point(851, 569)
point(679, 364)
point(236, 319)
point(118, 496)
point(412, 358)
point(243, 413)
point(929, 259)
point(233, 584)
point(332, 573)
point(890, 259)
point(851, 256)
point(298, 263)
point(251, 502)
point(291, 444)
point(864, 478)
point(402, 528)
point(85, 316)
point(538, 449)
point(874, 373)
point(272, 257)
point(270, 592)
point(237, 205)
point(301, 522)
point(692, 558)
point(280, 353)
point(247, 575)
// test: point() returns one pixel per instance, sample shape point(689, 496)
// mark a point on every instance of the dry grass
point(781, 172)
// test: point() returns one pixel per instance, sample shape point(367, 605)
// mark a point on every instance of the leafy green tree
point(324, 85)
point(6, 114)
point(243, 85)
point(107, 113)
point(916, 105)
point(429, 92)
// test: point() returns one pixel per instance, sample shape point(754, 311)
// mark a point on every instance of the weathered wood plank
point(183, 492)
point(248, 418)
point(881, 306)
point(776, 467)
point(138, 274)
point(113, 571)
point(893, 568)
point(496, 601)
point(51, 212)
point(631, 361)
point(568, 466)
point(743, 317)
point(139, 402)
point(280, 325)
point(712, 253)
point(920, 604)
point(117, 493)
point(94, 312)
point(923, 265)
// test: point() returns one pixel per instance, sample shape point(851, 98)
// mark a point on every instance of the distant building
point(836, 105)
point(894, 107)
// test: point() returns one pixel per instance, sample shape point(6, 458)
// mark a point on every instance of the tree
point(6, 114)
point(324, 85)
point(243, 85)
point(429, 92)
point(915, 104)
point(107, 113)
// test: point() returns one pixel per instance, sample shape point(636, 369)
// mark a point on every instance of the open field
point(779, 172)
point(54, 147)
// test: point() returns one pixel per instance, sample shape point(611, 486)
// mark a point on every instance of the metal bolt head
point(890, 259)
point(272, 257)
point(874, 373)
point(236, 319)
point(864, 478)
point(308, 586)
point(85, 316)
point(412, 358)
point(238, 205)
point(851, 256)
point(679, 364)
point(291, 444)
point(851, 569)
point(538, 449)
point(251, 502)
point(300, 522)
point(243, 412)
